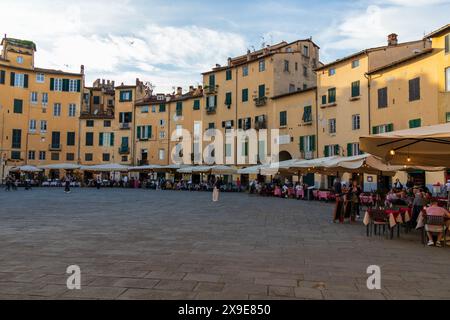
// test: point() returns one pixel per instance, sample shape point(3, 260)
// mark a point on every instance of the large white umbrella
point(151, 167)
point(25, 169)
point(223, 170)
point(61, 166)
point(424, 146)
point(113, 167)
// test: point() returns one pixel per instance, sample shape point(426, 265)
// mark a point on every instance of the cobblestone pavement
point(141, 244)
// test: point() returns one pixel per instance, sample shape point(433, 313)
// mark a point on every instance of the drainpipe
point(236, 119)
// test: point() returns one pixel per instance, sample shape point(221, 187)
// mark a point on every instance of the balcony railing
point(143, 162)
point(211, 110)
point(211, 89)
point(308, 155)
point(55, 147)
point(125, 126)
point(124, 150)
point(259, 125)
point(261, 101)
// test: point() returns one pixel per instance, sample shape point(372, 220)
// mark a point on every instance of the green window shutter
point(313, 143)
point(25, 81)
point(52, 84)
point(13, 79)
point(416, 123)
point(228, 98)
point(302, 144)
point(112, 139)
point(355, 89)
point(100, 139)
point(262, 91)
point(65, 85)
point(229, 75)
point(18, 106)
point(162, 107)
point(212, 80)
point(349, 149)
point(2, 76)
point(324, 99)
point(390, 127)
point(179, 109)
point(215, 101)
point(375, 130)
point(138, 133)
point(327, 151)
point(78, 85)
point(336, 150)
point(332, 95)
point(196, 104)
point(149, 130)
point(244, 95)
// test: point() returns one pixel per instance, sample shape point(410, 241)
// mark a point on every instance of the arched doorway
point(284, 156)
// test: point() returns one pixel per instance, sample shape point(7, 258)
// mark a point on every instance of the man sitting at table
point(435, 210)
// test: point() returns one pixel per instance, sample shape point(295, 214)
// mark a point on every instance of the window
point(57, 84)
point(292, 88)
point(72, 110)
point(447, 117)
point(228, 99)
point(415, 123)
point(162, 107)
point(283, 118)
point(324, 99)
point(88, 157)
point(244, 95)
point(162, 154)
point(18, 106)
point(40, 78)
point(286, 65)
point(106, 139)
point(57, 109)
point(107, 123)
point(383, 97)
point(228, 75)
point(307, 114)
point(245, 71)
point(70, 156)
point(332, 95)
point(211, 101)
point(228, 150)
point(125, 96)
point(73, 85)
point(2, 76)
point(96, 99)
point(16, 139)
point(90, 123)
point(262, 65)
point(19, 60)
point(34, 98)
point(153, 109)
point(15, 155)
point(144, 109)
point(262, 91)
point(45, 99)
point(353, 149)
point(306, 51)
point(162, 134)
point(383, 128)
point(125, 117)
point(196, 105)
point(307, 143)
point(89, 139)
point(356, 89)
point(414, 89)
point(355, 64)
point(19, 80)
point(447, 44)
point(447, 79)
point(70, 138)
point(331, 150)
point(212, 81)
point(144, 132)
point(332, 126)
point(356, 122)
point(124, 158)
point(179, 109)
point(162, 122)
point(43, 126)
point(106, 157)
point(331, 72)
point(211, 125)
point(296, 66)
point(32, 126)
point(56, 140)
point(124, 143)
point(42, 155)
point(305, 71)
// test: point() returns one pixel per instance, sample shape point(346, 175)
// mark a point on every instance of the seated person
point(435, 210)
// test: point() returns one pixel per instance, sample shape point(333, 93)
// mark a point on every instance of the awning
point(223, 170)
point(25, 169)
point(147, 168)
point(424, 146)
point(106, 168)
point(170, 168)
point(61, 166)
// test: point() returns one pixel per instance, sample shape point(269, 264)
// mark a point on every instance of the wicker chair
point(437, 221)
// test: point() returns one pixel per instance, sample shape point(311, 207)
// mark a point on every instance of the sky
point(169, 43)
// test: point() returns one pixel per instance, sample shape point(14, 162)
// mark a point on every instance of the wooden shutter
point(447, 43)
point(18, 106)
point(327, 151)
point(149, 130)
point(239, 123)
point(382, 98)
point(313, 143)
point(390, 127)
point(414, 89)
point(100, 139)
point(112, 139)
point(349, 149)
point(25, 81)
point(52, 84)
point(262, 91)
point(336, 150)
point(138, 133)
point(65, 85)
point(78, 85)
point(2, 76)
point(13, 79)
point(302, 144)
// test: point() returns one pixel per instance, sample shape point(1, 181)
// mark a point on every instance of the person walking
point(216, 190)
point(98, 182)
point(67, 184)
point(354, 193)
point(338, 210)
point(8, 183)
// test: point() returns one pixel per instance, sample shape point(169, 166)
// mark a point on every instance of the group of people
point(347, 200)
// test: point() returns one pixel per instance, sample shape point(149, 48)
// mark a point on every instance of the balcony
point(124, 150)
point(54, 147)
point(125, 126)
point(143, 162)
point(308, 155)
point(211, 110)
point(261, 101)
point(100, 115)
point(211, 89)
point(260, 125)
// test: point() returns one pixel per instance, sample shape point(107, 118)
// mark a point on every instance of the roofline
point(293, 93)
point(41, 70)
point(438, 32)
point(186, 98)
point(401, 61)
point(363, 52)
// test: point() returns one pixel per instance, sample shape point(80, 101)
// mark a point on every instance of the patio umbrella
point(25, 169)
point(147, 168)
point(170, 168)
point(61, 166)
point(106, 168)
point(223, 170)
point(424, 146)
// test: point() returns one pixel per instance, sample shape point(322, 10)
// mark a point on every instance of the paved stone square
point(146, 244)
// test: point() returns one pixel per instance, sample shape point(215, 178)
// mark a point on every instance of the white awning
point(61, 166)
point(106, 168)
point(25, 169)
point(151, 167)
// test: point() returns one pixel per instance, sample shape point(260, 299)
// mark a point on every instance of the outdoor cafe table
point(367, 200)
point(402, 215)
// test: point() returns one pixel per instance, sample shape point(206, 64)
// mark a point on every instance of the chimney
point(179, 91)
point(112, 83)
point(82, 69)
point(191, 89)
point(392, 39)
point(249, 56)
point(103, 82)
point(229, 61)
point(200, 88)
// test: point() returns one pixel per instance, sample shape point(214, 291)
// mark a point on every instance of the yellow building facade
point(39, 109)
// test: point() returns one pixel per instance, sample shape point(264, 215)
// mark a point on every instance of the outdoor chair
point(379, 220)
point(434, 221)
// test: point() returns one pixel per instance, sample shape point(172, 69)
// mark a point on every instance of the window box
point(260, 101)
point(355, 98)
point(329, 105)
